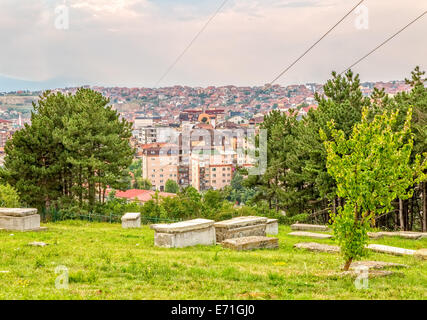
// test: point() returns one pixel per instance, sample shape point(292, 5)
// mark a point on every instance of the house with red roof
point(141, 196)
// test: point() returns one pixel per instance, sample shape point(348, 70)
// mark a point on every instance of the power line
point(191, 43)
point(384, 42)
point(313, 45)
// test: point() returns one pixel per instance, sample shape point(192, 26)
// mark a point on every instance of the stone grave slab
point(251, 243)
point(375, 235)
point(421, 253)
point(20, 219)
point(17, 212)
point(310, 235)
point(272, 227)
point(371, 273)
point(317, 247)
point(390, 250)
point(184, 233)
point(309, 227)
point(402, 234)
point(376, 264)
point(131, 220)
point(37, 244)
point(240, 227)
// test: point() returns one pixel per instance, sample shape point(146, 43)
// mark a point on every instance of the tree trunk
point(334, 206)
point(401, 218)
point(424, 187)
point(347, 264)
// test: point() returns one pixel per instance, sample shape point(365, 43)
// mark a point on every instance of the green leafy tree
point(171, 186)
point(371, 168)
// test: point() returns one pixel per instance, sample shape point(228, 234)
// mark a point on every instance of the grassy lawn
point(108, 262)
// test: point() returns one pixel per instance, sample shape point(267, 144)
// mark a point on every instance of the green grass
point(108, 262)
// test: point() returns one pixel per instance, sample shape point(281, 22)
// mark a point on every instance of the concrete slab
point(17, 212)
point(184, 233)
point(37, 244)
point(317, 247)
point(371, 273)
point(238, 222)
point(188, 238)
point(240, 232)
point(240, 227)
point(376, 264)
point(310, 235)
point(251, 243)
point(182, 226)
point(402, 234)
point(309, 227)
point(390, 250)
point(272, 227)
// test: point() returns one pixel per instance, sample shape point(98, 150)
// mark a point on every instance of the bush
point(301, 218)
point(9, 197)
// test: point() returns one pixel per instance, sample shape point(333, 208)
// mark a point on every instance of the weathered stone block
point(37, 244)
point(240, 227)
point(131, 220)
point(23, 223)
point(251, 243)
point(272, 227)
point(314, 246)
point(390, 250)
point(17, 212)
point(402, 234)
point(184, 234)
point(421, 253)
point(309, 227)
point(376, 265)
point(310, 235)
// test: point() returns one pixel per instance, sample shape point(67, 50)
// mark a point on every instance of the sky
point(133, 42)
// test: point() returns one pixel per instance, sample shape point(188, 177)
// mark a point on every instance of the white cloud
point(132, 42)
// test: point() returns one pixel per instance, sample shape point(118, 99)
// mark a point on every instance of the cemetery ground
point(105, 261)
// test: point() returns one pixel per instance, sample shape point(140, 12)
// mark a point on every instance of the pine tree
point(74, 148)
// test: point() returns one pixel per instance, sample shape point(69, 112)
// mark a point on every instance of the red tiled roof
point(141, 195)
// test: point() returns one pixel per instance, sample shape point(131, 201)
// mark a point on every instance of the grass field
point(108, 262)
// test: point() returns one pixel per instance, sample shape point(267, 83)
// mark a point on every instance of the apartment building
point(160, 163)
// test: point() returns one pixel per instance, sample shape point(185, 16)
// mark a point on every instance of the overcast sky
point(132, 42)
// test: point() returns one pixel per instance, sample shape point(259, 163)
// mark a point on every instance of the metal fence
point(54, 215)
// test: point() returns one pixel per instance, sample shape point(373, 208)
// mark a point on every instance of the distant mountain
point(8, 84)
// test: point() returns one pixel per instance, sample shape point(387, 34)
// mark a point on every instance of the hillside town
point(193, 136)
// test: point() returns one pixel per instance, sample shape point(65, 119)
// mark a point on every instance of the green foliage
point(237, 192)
point(371, 168)
point(143, 184)
point(9, 197)
point(171, 186)
point(351, 234)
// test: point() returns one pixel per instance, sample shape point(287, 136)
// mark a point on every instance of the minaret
point(20, 120)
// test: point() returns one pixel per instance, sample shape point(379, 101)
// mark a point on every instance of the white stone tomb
point(131, 220)
point(184, 233)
